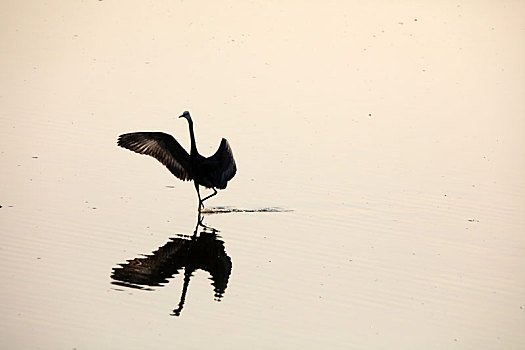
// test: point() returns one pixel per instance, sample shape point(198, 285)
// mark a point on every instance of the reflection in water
point(203, 250)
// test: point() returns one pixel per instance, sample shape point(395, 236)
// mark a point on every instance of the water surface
point(379, 197)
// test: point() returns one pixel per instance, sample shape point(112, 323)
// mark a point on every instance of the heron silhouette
point(211, 172)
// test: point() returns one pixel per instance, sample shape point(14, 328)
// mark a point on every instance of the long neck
point(193, 150)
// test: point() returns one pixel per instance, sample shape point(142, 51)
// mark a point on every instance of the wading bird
point(211, 172)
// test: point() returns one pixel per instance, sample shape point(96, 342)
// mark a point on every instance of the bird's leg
point(201, 206)
point(211, 195)
point(200, 218)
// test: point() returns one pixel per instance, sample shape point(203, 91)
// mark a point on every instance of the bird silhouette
point(211, 172)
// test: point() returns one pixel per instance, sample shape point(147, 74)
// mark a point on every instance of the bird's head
point(186, 115)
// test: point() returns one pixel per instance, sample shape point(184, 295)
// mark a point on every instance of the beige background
point(393, 130)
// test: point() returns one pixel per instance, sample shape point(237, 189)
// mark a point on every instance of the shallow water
point(379, 197)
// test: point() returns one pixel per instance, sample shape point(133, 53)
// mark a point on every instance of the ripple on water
point(221, 210)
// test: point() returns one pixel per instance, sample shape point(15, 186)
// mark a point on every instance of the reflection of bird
point(211, 172)
point(202, 251)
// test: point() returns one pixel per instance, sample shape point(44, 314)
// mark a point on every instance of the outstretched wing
point(221, 167)
point(162, 147)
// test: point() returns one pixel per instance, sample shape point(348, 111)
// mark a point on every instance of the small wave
point(220, 210)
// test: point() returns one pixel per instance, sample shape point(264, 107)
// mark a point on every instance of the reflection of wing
point(220, 274)
point(221, 166)
point(205, 252)
point(162, 147)
point(154, 270)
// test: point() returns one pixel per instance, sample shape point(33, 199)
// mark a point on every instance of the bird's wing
point(162, 147)
point(221, 165)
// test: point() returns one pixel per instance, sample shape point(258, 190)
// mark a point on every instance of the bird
point(212, 172)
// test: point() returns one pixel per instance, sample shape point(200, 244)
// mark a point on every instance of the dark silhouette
point(211, 172)
point(201, 251)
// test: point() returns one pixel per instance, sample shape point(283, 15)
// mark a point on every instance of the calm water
point(390, 137)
